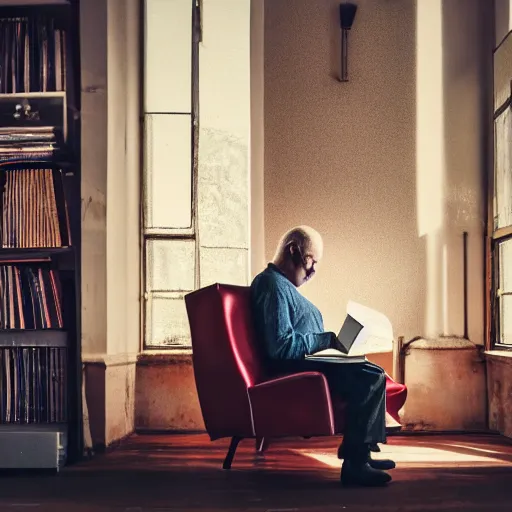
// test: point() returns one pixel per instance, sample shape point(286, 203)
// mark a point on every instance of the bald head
point(307, 239)
point(297, 253)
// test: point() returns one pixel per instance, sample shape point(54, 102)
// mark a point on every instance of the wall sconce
point(347, 15)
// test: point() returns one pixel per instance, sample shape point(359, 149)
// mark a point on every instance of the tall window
point(502, 227)
point(168, 184)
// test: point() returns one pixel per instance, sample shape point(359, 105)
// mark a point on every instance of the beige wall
point(110, 213)
point(123, 178)
point(446, 386)
point(110, 177)
point(503, 19)
point(94, 73)
point(384, 166)
point(166, 397)
point(341, 156)
point(499, 382)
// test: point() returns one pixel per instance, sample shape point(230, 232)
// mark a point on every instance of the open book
point(364, 331)
point(333, 355)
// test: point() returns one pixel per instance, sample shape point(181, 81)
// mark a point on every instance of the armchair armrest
point(396, 395)
point(292, 405)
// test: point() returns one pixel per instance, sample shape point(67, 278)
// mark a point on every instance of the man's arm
point(272, 314)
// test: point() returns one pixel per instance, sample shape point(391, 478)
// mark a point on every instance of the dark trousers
point(362, 386)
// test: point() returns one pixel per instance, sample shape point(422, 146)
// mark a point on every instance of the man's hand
point(335, 343)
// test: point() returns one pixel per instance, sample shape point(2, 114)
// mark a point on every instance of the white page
point(377, 333)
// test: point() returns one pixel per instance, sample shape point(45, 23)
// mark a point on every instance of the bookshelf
point(40, 367)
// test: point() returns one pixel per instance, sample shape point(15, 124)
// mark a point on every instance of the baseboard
point(102, 448)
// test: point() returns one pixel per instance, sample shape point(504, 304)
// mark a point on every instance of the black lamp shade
point(347, 15)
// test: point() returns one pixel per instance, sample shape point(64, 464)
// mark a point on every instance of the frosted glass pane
point(506, 319)
point(168, 56)
point(503, 176)
point(166, 320)
point(227, 266)
point(505, 260)
point(168, 171)
point(505, 281)
point(170, 265)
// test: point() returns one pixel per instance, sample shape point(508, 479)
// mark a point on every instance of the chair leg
point(231, 452)
point(261, 445)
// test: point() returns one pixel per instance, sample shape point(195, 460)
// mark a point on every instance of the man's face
point(305, 263)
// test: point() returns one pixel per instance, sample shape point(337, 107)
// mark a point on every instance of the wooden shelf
point(47, 94)
point(30, 3)
point(33, 338)
point(39, 164)
point(36, 427)
point(36, 253)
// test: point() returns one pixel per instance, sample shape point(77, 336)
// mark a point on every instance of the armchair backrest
point(225, 357)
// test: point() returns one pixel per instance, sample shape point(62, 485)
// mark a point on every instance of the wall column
point(110, 213)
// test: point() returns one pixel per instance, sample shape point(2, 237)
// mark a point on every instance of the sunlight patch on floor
point(417, 456)
point(473, 448)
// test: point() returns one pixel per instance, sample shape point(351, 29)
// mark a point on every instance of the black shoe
point(374, 448)
point(383, 464)
point(362, 474)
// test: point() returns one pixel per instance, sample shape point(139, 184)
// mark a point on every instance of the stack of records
point(33, 53)
point(30, 298)
point(22, 144)
point(32, 385)
point(30, 213)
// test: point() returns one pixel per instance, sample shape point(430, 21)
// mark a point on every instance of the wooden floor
point(183, 473)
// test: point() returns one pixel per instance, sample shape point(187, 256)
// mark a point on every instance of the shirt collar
point(274, 267)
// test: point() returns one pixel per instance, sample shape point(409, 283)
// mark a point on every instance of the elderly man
point(291, 327)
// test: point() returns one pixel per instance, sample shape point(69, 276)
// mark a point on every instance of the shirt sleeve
point(272, 314)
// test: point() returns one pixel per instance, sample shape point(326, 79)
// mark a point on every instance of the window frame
point(171, 234)
point(495, 237)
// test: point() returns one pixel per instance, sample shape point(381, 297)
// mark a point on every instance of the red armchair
point(237, 398)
